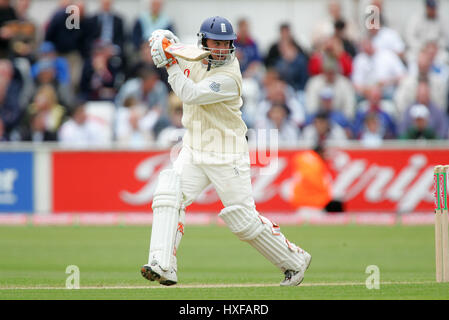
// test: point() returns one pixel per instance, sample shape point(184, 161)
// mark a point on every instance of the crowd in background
point(368, 84)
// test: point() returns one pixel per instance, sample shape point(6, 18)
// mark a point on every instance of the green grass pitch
point(214, 264)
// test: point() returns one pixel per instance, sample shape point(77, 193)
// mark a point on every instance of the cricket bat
point(187, 52)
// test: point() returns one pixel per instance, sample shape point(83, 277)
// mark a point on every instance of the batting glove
point(160, 33)
point(158, 54)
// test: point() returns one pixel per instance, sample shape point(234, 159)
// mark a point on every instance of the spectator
point(149, 21)
point(376, 67)
point(130, 125)
point(285, 35)
point(335, 116)
point(326, 27)
point(271, 76)
point(437, 117)
point(374, 97)
point(423, 72)
point(255, 96)
point(150, 91)
point(24, 41)
point(331, 48)
point(425, 27)
point(419, 129)
point(147, 88)
point(23, 45)
point(322, 130)
point(341, 34)
point(277, 91)
point(247, 51)
point(47, 52)
point(372, 135)
point(80, 130)
point(172, 134)
point(50, 112)
point(375, 106)
point(101, 73)
point(278, 118)
point(385, 38)
point(7, 13)
point(46, 72)
point(344, 96)
point(109, 29)
point(37, 131)
point(17, 41)
point(439, 62)
point(71, 43)
point(292, 66)
point(18, 33)
point(251, 96)
point(108, 26)
point(10, 90)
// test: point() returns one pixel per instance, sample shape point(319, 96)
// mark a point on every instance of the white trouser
point(178, 187)
point(230, 175)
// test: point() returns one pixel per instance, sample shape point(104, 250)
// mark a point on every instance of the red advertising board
point(366, 180)
point(386, 180)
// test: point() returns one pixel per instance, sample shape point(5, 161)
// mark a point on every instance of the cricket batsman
point(214, 150)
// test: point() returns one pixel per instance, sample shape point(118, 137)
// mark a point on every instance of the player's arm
point(214, 89)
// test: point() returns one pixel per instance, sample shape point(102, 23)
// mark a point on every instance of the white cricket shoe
point(154, 272)
point(294, 278)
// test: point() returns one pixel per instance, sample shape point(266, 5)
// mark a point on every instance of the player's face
point(218, 48)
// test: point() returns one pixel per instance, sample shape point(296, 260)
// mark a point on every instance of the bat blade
point(187, 52)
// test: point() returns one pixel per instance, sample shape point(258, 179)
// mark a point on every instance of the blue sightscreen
point(16, 182)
